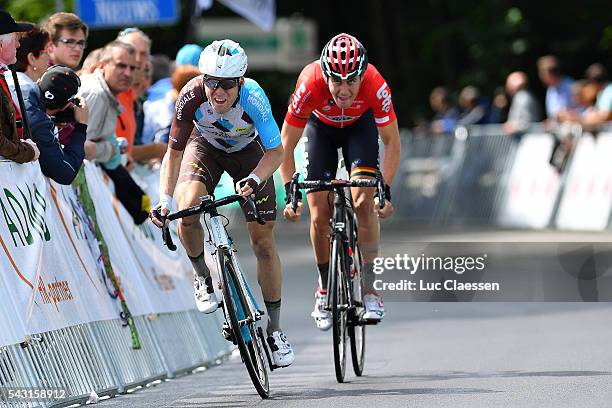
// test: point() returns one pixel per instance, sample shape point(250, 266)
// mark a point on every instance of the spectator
point(602, 112)
point(584, 95)
point(446, 113)
point(159, 113)
point(189, 54)
point(32, 56)
point(524, 108)
point(474, 113)
point(59, 85)
point(100, 90)
point(499, 106)
point(162, 82)
point(141, 90)
point(558, 91)
point(91, 62)
point(68, 38)
point(127, 125)
point(12, 146)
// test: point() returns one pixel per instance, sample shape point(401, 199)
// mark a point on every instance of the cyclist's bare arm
point(391, 139)
point(270, 161)
point(268, 164)
point(170, 169)
point(290, 135)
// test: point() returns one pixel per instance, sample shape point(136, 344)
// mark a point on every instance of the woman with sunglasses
point(46, 92)
point(223, 122)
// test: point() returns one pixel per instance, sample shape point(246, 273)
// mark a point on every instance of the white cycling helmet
point(223, 59)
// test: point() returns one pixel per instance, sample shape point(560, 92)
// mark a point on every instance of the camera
point(75, 101)
point(65, 116)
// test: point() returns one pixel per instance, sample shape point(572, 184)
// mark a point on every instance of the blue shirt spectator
point(559, 87)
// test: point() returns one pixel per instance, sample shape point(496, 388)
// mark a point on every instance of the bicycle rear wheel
point(339, 299)
point(243, 326)
point(356, 331)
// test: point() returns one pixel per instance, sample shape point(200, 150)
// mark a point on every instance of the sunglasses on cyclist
point(225, 83)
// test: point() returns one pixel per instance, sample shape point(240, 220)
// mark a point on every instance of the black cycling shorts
point(359, 143)
point(204, 163)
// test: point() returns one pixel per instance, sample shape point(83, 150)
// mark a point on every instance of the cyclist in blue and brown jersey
point(223, 122)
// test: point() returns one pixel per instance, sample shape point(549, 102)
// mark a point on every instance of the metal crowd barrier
point(99, 357)
point(454, 179)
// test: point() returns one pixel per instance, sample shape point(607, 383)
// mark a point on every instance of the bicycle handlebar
point(334, 185)
point(207, 204)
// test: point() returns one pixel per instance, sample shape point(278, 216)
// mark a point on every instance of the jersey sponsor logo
point(326, 108)
point(385, 96)
point(339, 118)
point(180, 104)
point(262, 200)
point(256, 100)
point(196, 166)
point(241, 129)
point(296, 102)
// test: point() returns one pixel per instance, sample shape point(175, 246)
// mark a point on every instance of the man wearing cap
point(12, 146)
point(53, 96)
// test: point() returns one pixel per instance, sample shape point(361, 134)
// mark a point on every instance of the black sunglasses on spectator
point(224, 83)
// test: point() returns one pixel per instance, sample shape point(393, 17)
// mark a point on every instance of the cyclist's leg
point(321, 163)
point(361, 158)
point(199, 176)
point(239, 165)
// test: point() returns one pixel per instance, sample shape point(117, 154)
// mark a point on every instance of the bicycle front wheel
point(339, 302)
point(243, 325)
point(357, 331)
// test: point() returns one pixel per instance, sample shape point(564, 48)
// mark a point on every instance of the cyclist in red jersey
point(341, 101)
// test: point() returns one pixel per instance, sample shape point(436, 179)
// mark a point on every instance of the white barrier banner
point(153, 279)
point(587, 198)
point(48, 284)
point(533, 185)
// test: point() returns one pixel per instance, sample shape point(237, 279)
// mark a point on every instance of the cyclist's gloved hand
point(298, 193)
point(388, 209)
point(288, 212)
point(165, 205)
point(248, 185)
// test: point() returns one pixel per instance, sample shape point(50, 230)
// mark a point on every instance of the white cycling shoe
point(282, 352)
point(205, 298)
point(322, 317)
point(374, 307)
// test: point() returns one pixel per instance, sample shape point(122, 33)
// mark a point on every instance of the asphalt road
point(485, 354)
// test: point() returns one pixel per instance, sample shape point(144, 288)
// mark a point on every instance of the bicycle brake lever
point(381, 191)
point(256, 214)
point(293, 187)
point(166, 236)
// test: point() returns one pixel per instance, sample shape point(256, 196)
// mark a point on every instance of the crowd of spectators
point(113, 107)
point(586, 102)
point(117, 108)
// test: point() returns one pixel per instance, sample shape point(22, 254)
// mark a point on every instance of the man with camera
point(50, 104)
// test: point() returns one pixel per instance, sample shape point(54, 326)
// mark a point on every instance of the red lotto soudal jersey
point(312, 96)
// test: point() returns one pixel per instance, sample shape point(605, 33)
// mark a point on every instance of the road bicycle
point(346, 281)
point(239, 306)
